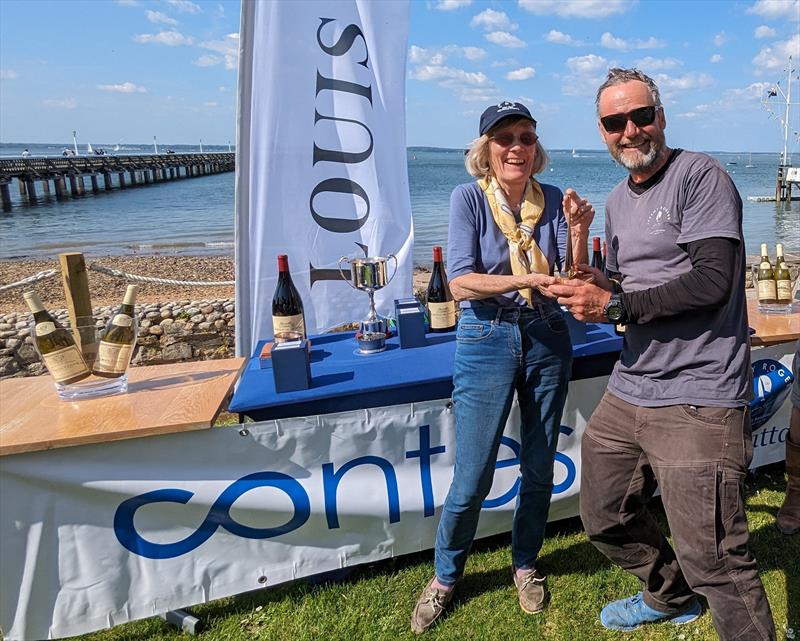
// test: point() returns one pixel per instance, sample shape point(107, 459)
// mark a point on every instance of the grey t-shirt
point(695, 358)
point(476, 244)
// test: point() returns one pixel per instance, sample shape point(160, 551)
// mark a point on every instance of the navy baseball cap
point(505, 109)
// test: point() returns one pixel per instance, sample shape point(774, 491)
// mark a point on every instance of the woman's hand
point(542, 282)
point(578, 211)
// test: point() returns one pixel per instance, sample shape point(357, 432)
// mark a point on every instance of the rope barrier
point(152, 279)
point(30, 279)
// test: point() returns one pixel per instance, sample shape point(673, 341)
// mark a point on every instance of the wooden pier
point(68, 173)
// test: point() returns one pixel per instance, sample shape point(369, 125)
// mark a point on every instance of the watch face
point(614, 311)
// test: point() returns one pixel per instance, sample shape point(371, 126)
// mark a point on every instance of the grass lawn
point(375, 601)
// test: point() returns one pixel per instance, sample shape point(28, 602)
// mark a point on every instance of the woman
point(507, 232)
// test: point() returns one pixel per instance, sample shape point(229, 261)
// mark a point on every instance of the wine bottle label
point(766, 289)
point(65, 363)
point(122, 320)
point(784, 289)
point(442, 315)
point(42, 329)
point(289, 325)
point(113, 358)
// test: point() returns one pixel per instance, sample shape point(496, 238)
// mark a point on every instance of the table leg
point(183, 620)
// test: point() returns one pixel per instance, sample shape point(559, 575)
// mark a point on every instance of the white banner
point(98, 535)
point(321, 156)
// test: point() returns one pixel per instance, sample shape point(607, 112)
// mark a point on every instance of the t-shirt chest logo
point(658, 220)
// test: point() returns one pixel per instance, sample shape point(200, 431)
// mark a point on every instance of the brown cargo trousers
point(698, 457)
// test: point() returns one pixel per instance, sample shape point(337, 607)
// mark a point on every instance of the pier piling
point(46, 187)
point(107, 181)
point(30, 187)
point(61, 187)
point(5, 193)
point(95, 188)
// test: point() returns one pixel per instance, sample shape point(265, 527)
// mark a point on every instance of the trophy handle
point(345, 278)
point(395, 267)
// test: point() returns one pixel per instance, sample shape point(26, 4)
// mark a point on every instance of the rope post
point(79, 303)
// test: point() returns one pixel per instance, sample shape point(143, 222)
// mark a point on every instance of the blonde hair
point(477, 159)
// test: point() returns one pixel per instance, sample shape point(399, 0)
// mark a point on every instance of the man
point(675, 413)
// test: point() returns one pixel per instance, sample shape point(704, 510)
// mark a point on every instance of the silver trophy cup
point(369, 275)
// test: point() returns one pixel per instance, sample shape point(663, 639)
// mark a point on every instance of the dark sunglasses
point(641, 117)
point(506, 138)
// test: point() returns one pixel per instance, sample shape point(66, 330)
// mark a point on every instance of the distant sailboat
point(89, 149)
point(116, 147)
point(750, 164)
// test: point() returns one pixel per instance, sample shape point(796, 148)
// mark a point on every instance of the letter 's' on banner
point(321, 156)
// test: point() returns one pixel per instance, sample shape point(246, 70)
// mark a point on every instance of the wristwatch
point(615, 310)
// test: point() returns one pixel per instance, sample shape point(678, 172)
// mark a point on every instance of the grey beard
point(643, 162)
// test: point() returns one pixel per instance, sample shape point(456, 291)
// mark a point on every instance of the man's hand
point(596, 276)
point(586, 301)
point(541, 282)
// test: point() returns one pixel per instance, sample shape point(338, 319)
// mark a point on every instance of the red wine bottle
point(288, 322)
point(597, 256)
point(604, 256)
point(441, 306)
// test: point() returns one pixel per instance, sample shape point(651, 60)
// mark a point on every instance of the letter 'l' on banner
point(321, 157)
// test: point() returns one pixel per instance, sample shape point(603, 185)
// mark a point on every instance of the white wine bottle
point(441, 305)
point(783, 278)
point(767, 291)
point(288, 322)
point(59, 351)
point(116, 345)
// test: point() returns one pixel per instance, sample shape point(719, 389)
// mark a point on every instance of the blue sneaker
point(631, 613)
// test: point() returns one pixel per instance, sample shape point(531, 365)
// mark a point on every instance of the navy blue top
point(477, 245)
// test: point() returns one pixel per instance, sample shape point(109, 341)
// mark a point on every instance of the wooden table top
point(161, 399)
point(772, 328)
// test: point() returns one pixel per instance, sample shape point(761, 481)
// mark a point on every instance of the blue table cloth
point(343, 379)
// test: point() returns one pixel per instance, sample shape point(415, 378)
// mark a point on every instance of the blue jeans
point(500, 350)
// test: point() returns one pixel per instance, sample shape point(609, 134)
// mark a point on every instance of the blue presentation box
point(291, 367)
point(410, 320)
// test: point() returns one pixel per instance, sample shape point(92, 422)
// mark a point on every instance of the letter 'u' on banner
point(321, 157)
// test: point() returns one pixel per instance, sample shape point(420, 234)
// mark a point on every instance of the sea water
point(197, 216)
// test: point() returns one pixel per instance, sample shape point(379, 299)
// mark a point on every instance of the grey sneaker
point(532, 591)
point(429, 607)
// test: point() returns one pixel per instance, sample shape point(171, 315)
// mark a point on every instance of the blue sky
point(126, 70)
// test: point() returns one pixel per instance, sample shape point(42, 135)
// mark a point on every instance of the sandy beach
point(108, 290)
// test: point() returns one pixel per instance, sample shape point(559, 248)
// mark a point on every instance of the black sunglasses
point(641, 117)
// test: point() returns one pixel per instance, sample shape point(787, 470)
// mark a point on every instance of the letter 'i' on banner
point(321, 156)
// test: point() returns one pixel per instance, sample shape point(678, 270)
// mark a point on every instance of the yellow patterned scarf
point(526, 257)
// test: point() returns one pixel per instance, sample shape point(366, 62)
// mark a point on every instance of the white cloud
point(715, 58)
point(586, 73)
point(777, 56)
point(8, 74)
point(577, 8)
point(650, 64)
point(559, 38)
point(776, 9)
point(123, 87)
point(752, 92)
point(207, 60)
point(720, 39)
point(228, 49)
point(587, 64)
point(692, 80)
point(170, 38)
point(210, 103)
point(467, 85)
point(437, 56)
point(492, 20)
point(451, 5)
point(223, 89)
point(61, 103)
point(505, 39)
point(184, 6)
point(157, 17)
point(525, 73)
point(764, 31)
point(609, 41)
point(128, 3)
